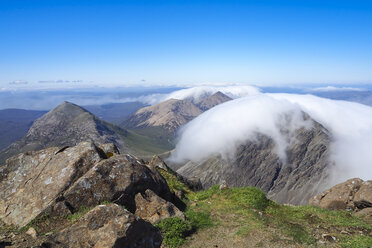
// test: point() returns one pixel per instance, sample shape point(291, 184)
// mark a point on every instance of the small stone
point(328, 237)
point(223, 185)
point(179, 194)
point(32, 232)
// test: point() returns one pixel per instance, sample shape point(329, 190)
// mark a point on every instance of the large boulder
point(107, 226)
point(116, 179)
point(354, 194)
point(363, 197)
point(32, 181)
point(153, 208)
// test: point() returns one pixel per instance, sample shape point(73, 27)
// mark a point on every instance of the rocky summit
point(302, 174)
point(65, 125)
point(213, 100)
point(61, 181)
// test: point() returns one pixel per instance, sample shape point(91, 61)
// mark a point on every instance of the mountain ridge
point(66, 125)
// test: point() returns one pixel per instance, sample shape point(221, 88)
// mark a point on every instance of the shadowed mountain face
point(66, 125)
point(293, 180)
point(14, 124)
point(172, 114)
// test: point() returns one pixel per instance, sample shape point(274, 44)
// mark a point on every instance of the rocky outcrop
point(32, 181)
point(59, 181)
point(151, 207)
point(66, 125)
point(117, 179)
point(354, 194)
point(107, 226)
point(294, 179)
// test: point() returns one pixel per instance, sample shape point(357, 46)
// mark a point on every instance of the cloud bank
point(222, 129)
point(335, 89)
point(197, 93)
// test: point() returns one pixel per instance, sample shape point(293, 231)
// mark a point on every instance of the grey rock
point(153, 208)
point(33, 181)
point(107, 226)
point(117, 179)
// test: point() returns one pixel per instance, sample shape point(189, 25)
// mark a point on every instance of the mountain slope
point(14, 124)
point(169, 115)
point(294, 180)
point(66, 125)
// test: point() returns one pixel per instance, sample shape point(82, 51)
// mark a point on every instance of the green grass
point(75, 216)
point(148, 141)
point(357, 242)
point(199, 220)
point(173, 182)
point(249, 209)
point(44, 219)
point(174, 231)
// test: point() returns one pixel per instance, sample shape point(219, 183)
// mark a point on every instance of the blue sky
point(177, 42)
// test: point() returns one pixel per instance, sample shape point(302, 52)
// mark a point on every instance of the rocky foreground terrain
point(59, 182)
point(90, 195)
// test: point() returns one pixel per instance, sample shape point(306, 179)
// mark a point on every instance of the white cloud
point(333, 89)
point(223, 128)
point(196, 93)
point(18, 82)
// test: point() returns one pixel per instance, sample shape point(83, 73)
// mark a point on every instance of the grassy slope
point(147, 142)
point(244, 217)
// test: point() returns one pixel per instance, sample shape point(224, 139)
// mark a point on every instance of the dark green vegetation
point(175, 230)
point(244, 215)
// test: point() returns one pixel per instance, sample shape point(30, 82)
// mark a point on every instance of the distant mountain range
point(148, 131)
